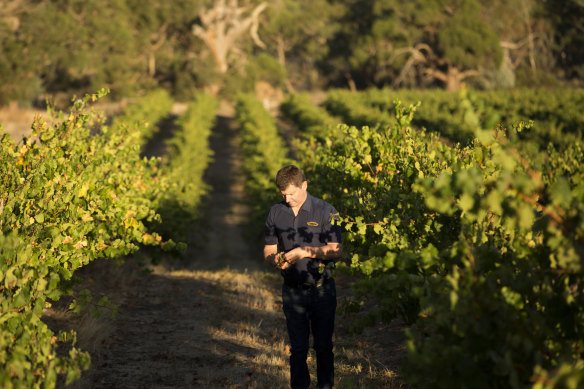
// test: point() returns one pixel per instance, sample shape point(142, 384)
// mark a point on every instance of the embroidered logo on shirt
point(313, 224)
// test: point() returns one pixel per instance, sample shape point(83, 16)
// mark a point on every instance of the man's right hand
point(280, 260)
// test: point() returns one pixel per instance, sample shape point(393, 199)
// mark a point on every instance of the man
point(302, 237)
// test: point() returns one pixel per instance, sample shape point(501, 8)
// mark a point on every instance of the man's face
point(294, 195)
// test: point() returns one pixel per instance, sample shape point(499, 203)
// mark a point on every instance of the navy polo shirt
point(315, 225)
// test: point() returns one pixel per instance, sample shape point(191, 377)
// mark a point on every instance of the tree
point(567, 19)
point(463, 44)
point(525, 35)
point(163, 33)
point(19, 80)
point(223, 25)
point(74, 46)
point(297, 33)
point(78, 46)
point(415, 43)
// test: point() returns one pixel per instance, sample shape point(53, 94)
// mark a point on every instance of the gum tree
point(297, 33)
point(416, 43)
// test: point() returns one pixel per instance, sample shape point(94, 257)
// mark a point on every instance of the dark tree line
point(68, 46)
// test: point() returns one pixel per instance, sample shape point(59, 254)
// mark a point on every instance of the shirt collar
point(307, 205)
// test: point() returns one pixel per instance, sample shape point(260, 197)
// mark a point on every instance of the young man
point(302, 237)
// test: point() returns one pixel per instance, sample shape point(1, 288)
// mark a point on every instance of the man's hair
point(289, 175)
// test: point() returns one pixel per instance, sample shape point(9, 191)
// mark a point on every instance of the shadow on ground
point(190, 329)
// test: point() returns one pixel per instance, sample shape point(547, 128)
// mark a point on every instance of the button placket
point(295, 224)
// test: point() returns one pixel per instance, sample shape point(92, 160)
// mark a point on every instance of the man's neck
point(297, 209)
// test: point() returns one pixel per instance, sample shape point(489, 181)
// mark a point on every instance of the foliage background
point(53, 49)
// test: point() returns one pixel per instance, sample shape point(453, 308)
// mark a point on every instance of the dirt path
point(183, 329)
point(224, 244)
point(216, 322)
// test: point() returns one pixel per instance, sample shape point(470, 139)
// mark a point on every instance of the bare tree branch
point(514, 45)
point(222, 25)
point(416, 56)
point(158, 39)
point(469, 73)
point(9, 7)
point(9, 10)
point(530, 35)
point(436, 74)
point(255, 24)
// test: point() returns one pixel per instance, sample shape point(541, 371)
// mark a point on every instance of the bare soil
point(215, 319)
point(17, 122)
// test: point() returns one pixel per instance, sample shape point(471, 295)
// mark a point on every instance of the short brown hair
point(289, 175)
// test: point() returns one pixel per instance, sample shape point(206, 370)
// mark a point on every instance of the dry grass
point(250, 329)
point(17, 121)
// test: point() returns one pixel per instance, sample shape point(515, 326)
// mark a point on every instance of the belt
point(306, 286)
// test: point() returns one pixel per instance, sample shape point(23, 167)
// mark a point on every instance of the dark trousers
point(309, 310)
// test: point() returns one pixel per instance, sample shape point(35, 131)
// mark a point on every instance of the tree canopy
point(51, 48)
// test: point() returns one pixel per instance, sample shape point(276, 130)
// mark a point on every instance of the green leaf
point(495, 201)
point(466, 202)
point(10, 279)
point(378, 228)
point(526, 216)
point(560, 192)
point(19, 300)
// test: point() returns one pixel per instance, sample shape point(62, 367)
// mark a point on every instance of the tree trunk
point(453, 79)
point(350, 81)
point(221, 27)
point(530, 37)
point(281, 51)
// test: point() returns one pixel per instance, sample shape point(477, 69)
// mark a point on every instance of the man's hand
point(327, 252)
point(277, 259)
point(293, 256)
point(280, 260)
point(286, 263)
point(285, 260)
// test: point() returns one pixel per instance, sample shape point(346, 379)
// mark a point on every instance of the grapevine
point(477, 247)
point(69, 195)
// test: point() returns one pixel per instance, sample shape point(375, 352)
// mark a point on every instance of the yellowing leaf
point(83, 190)
point(148, 239)
point(128, 223)
point(80, 244)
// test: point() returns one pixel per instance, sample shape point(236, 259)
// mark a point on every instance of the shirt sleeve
point(331, 231)
point(270, 236)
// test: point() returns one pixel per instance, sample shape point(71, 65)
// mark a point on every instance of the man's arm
point(270, 252)
point(326, 252)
